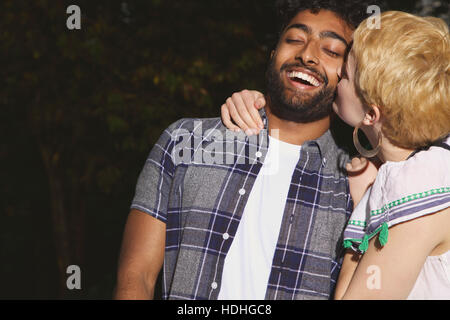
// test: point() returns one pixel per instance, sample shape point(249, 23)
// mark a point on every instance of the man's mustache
point(323, 77)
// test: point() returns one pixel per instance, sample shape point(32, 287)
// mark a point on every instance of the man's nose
point(309, 54)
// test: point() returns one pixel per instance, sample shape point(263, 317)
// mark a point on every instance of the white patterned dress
point(404, 191)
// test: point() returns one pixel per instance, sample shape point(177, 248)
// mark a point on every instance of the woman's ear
point(373, 116)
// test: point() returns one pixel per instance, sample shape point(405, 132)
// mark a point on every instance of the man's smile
point(303, 79)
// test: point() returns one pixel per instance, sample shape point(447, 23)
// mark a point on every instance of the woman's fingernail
point(249, 132)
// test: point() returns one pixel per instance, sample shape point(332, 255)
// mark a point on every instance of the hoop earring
point(363, 151)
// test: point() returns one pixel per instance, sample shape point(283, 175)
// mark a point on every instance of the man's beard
point(300, 107)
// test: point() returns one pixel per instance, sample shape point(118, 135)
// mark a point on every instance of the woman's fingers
point(242, 108)
point(248, 107)
point(260, 101)
point(361, 175)
point(244, 104)
point(226, 119)
point(357, 164)
point(235, 116)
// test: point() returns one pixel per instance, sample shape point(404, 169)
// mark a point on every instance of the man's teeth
point(305, 77)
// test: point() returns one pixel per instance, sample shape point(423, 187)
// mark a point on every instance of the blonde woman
point(395, 87)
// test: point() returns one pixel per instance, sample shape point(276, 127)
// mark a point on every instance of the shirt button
point(258, 154)
point(242, 192)
point(214, 285)
point(226, 236)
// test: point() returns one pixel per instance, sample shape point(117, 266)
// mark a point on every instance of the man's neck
point(296, 133)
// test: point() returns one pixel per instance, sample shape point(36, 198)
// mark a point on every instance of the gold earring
point(363, 151)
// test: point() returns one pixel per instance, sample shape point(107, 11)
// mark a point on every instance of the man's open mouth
point(304, 78)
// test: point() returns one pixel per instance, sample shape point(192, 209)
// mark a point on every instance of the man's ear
point(272, 53)
point(373, 116)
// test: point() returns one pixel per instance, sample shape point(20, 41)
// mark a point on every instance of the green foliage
point(90, 103)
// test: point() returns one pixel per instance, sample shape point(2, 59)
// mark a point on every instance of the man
point(235, 230)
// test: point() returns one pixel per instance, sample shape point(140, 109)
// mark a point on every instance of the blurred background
point(81, 110)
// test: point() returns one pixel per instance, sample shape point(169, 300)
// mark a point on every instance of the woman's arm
point(361, 175)
point(349, 265)
point(391, 272)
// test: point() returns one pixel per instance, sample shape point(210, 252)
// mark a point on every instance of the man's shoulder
point(182, 133)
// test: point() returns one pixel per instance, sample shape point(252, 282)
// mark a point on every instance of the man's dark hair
point(351, 11)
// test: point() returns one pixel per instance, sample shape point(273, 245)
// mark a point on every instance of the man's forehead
point(323, 20)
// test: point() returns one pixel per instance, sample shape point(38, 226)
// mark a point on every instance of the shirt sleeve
point(155, 180)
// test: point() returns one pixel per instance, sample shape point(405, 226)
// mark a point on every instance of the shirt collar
point(324, 145)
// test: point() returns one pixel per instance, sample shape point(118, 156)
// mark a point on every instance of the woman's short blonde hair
point(404, 68)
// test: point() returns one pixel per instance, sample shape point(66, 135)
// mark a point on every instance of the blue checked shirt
point(197, 181)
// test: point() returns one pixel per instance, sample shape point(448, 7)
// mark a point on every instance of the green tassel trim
point(364, 245)
point(347, 244)
point(384, 233)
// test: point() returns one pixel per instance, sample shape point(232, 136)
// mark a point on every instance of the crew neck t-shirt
point(249, 260)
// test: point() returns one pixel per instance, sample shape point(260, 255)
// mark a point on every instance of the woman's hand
point(361, 175)
point(242, 107)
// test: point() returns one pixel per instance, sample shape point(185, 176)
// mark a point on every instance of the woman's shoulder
point(426, 171)
point(411, 188)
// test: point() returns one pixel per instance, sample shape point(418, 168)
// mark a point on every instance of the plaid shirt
point(202, 202)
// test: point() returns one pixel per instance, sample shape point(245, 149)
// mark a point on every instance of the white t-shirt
point(249, 261)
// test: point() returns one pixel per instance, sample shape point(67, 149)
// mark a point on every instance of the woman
point(396, 88)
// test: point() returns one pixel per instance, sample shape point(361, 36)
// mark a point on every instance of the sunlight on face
point(302, 77)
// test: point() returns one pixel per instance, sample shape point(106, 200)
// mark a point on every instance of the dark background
point(81, 110)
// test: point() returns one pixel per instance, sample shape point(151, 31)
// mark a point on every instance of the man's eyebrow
point(334, 35)
point(300, 26)
point(324, 34)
